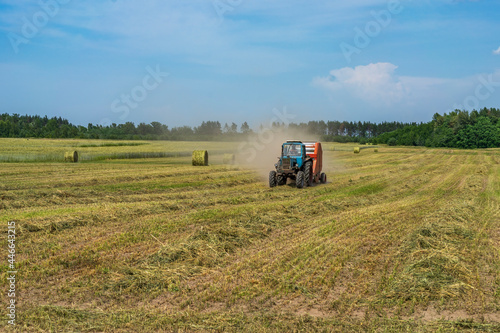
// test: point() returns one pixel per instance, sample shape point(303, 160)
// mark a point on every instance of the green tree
point(245, 128)
point(483, 134)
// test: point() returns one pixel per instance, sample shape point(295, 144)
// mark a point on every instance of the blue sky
point(181, 62)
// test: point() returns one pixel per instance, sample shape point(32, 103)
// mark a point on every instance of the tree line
point(460, 129)
point(16, 126)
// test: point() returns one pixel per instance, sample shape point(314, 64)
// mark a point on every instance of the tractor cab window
point(292, 150)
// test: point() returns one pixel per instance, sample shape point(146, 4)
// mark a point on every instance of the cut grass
point(156, 244)
point(47, 150)
point(228, 321)
point(112, 144)
point(434, 264)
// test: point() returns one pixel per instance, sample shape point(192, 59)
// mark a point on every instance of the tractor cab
point(292, 149)
point(293, 154)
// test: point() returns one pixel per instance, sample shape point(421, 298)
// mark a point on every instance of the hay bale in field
point(200, 158)
point(229, 159)
point(376, 150)
point(71, 156)
point(356, 150)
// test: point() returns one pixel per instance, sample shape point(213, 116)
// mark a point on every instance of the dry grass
point(52, 150)
point(156, 244)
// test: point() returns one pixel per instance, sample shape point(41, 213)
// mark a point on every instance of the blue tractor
point(301, 161)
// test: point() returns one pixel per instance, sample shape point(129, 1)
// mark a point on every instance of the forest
point(458, 129)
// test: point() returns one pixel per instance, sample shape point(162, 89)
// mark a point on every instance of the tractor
point(300, 161)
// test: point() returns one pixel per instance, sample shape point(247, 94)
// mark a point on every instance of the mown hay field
point(406, 239)
point(53, 150)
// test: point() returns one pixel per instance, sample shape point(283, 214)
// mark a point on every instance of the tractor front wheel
point(322, 178)
point(272, 178)
point(299, 180)
point(281, 179)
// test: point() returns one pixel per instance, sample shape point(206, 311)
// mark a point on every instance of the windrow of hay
point(433, 263)
point(204, 249)
point(356, 149)
point(208, 246)
point(340, 148)
point(137, 155)
point(200, 158)
point(149, 278)
point(71, 156)
point(229, 159)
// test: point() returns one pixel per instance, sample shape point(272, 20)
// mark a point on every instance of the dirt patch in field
point(432, 314)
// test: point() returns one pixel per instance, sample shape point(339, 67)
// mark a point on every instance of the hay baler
point(300, 161)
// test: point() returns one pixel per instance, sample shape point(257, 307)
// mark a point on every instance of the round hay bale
point(229, 159)
point(356, 150)
point(200, 158)
point(376, 150)
point(71, 156)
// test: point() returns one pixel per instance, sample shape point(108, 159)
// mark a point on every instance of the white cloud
point(373, 83)
point(497, 51)
point(377, 87)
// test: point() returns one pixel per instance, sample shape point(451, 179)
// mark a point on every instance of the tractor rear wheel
point(299, 180)
point(272, 178)
point(323, 178)
point(308, 173)
point(281, 180)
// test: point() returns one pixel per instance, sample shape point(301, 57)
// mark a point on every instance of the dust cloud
point(260, 151)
